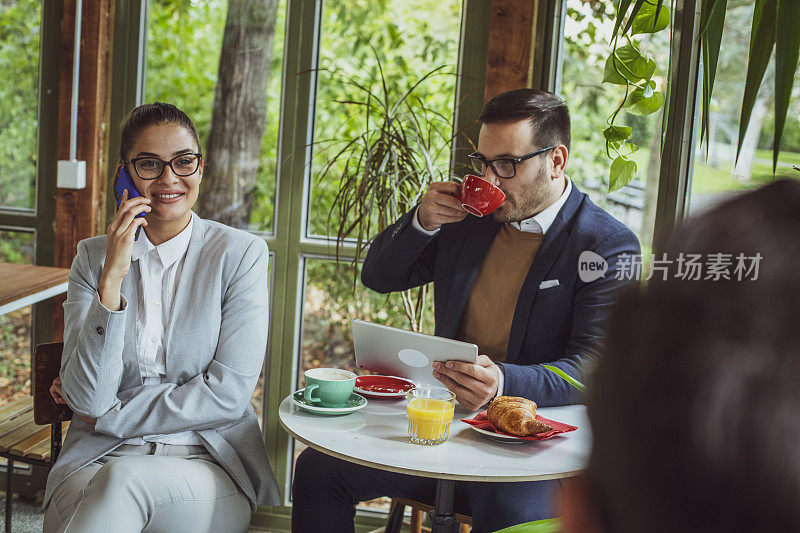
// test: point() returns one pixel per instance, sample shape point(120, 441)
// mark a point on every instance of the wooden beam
point(81, 213)
point(508, 61)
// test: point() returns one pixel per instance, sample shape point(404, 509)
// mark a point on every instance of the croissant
point(515, 416)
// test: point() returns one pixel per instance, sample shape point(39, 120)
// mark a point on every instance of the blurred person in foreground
point(695, 406)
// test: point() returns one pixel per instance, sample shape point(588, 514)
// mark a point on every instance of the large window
point(19, 61)
point(233, 99)
point(717, 173)
point(365, 44)
point(20, 28)
point(378, 46)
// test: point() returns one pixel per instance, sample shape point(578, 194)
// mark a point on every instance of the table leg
point(442, 515)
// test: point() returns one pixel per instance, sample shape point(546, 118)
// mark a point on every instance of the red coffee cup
point(480, 197)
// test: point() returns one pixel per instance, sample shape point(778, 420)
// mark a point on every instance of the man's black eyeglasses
point(150, 168)
point(503, 167)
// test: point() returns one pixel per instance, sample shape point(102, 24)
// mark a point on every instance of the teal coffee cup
point(328, 387)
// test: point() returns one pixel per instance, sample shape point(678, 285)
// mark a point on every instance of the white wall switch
point(71, 174)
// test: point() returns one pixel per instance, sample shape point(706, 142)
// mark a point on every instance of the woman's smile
point(168, 197)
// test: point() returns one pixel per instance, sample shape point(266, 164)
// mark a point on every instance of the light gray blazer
point(215, 345)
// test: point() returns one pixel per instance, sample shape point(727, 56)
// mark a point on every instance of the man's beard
point(517, 209)
point(506, 213)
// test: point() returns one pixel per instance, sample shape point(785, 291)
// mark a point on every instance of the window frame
point(39, 219)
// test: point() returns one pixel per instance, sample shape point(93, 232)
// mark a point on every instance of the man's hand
point(58, 397)
point(473, 384)
point(441, 205)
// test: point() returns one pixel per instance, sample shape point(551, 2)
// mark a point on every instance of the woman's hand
point(58, 397)
point(55, 392)
point(119, 245)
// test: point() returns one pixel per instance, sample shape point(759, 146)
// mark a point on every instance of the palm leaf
point(787, 46)
point(712, 21)
point(762, 40)
point(658, 10)
point(621, 10)
point(634, 12)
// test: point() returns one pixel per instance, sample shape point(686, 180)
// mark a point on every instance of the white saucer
point(498, 436)
point(354, 403)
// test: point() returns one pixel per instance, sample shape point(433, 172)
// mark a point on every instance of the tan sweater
point(490, 308)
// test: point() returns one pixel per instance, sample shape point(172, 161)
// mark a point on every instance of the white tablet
point(397, 352)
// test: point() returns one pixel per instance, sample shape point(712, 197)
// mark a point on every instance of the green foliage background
point(409, 38)
point(19, 68)
point(184, 40)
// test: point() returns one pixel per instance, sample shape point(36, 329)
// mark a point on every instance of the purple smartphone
point(123, 182)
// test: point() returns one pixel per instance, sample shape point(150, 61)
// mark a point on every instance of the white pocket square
point(548, 283)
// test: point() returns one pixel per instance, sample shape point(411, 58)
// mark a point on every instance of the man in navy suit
point(512, 283)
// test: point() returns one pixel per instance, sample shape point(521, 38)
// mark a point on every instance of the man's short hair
point(547, 113)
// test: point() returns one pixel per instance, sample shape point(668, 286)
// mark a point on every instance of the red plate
point(383, 386)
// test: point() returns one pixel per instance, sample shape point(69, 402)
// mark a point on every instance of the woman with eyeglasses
point(165, 335)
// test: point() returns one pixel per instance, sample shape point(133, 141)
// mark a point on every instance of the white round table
point(377, 436)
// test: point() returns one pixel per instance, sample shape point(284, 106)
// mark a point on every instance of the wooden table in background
point(23, 285)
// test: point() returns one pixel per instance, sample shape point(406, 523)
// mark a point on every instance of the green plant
point(629, 67)
point(774, 27)
point(566, 377)
point(385, 163)
point(540, 526)
point(19, 61)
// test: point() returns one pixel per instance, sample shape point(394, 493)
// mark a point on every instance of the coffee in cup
point(479, 196)
point(328, 387)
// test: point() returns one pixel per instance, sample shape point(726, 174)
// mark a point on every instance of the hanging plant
point(628, 67)
point(774, 27)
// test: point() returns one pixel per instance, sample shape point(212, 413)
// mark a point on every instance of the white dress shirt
point(160, 267)
point(538, 223)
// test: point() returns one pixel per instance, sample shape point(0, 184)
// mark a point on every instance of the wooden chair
point(418, 512)
point(22, 439)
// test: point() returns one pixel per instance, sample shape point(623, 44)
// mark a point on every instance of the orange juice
point(429, 420)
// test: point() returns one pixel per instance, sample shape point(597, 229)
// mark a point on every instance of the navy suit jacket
point(563, 325)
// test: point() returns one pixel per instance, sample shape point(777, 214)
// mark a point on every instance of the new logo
point(591, 266)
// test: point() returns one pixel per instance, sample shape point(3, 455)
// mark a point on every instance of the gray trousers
point(150, 488)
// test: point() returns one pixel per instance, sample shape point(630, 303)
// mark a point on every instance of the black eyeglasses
point(503, 167)
point(150, 168)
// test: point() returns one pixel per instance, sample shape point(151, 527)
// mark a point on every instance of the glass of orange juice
point(430, 412)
